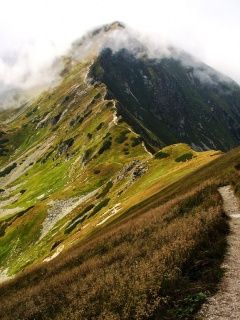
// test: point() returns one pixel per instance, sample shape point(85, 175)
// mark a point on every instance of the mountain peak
point(114, 25)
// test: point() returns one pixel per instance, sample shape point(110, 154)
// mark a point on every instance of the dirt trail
point(225, 304)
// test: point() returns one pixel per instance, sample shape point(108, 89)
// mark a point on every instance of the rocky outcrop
point(131, 172)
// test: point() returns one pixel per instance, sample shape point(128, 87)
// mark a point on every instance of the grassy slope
point(63, 131)
point(163, 261)
point(146, 241)
point(172, 197)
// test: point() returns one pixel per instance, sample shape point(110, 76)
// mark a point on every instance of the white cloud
point(34, 32)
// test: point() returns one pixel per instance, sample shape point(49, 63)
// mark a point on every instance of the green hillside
point(70, 166)
point(161, 259)
point(109, 203)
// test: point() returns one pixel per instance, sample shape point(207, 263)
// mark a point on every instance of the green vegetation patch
point(87, 155)
point(100, 126)
point(105, 146)
point(105, 190)
point(183, 267)
point(31, 112)
point(8, 169)
point(99, 206)
point(64, 146)
point(161, 155)
point(122, 136)
point(184, 157)
point(3, 143)
point(135, 141)
point(78, 219)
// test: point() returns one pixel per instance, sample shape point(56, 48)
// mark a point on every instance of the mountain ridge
point(68, 152)
point(109, 203)
point(82, 148)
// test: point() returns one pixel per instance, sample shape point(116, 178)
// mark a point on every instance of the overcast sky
point(32, 32)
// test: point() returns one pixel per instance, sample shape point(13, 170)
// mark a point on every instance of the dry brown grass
point(141, 269)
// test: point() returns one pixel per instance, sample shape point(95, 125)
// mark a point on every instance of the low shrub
point(99, 206)
point(161, 155)
point(89, 135)
point(184, 157)
point(87, 155)
point(8, 169)
point(105, 146)
point(135, 141)
point(78, 219)
point(105, 190)
point(100, 126)
point(122, 136)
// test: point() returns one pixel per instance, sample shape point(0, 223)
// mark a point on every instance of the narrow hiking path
point(225, 304)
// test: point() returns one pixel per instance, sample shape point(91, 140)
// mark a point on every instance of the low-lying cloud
point(142, 44)
point(34, 33)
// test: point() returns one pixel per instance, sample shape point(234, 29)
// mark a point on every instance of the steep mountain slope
point(172, 99)
point(69, 166)
point(160, 261)
point(77, 157)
